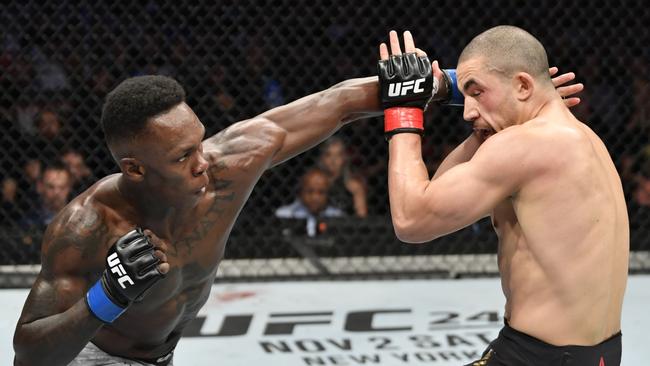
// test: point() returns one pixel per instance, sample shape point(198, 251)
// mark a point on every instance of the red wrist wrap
point(403, 117)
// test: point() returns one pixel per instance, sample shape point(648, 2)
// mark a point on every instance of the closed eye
point(184, 157)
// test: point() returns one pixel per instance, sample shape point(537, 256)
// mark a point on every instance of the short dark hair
point(314, 170)
point(509, 49)
point(134, 101)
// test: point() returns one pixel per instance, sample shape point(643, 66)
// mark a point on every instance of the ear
point(524, 86)
point(132, 169)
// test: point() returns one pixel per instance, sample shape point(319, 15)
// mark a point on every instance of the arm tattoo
point(84, 232)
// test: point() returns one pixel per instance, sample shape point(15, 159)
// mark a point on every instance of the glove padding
point(406, 83)
point(131, 268)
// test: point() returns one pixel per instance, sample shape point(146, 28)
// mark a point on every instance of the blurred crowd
point(56, 69)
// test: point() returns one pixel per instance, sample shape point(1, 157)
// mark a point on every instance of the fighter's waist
point(511, 336)
point(112, 342)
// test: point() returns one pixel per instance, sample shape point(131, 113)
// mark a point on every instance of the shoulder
point(77, 239)
point(537, 142)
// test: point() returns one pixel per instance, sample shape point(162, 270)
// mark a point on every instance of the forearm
point(407, 179)
point(310, 120)
point(56, 339)
point(461, 154)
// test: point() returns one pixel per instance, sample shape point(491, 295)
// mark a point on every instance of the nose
point(201, 166)
point(470, 112)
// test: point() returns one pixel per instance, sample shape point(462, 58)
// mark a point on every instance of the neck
point(547, 104)
point(150, 210)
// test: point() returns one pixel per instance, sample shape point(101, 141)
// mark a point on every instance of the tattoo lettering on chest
point(222, 196)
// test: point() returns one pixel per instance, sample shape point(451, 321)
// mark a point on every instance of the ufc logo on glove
point(116, 267)
point(397, 89)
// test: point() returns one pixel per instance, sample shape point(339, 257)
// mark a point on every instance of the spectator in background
point(81, 175)
point(49, 140)
point(53, 190)
point(48, 124)
point(32, 171)
point(641, 196)
point(25, 113)
point(220, 90)
point(347, 192)
point(28, 182)
point(312, 201)
point(636, 134)
point(9, 209)
point(639, 205)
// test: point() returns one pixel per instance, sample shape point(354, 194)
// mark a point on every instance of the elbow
point(411, 232)
point(418, 227)
point(21, 350)
point(24, 351)
point(273, 134)
point(271, 137)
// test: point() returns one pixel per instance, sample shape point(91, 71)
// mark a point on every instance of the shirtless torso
point(56, 323)
point(564, 240)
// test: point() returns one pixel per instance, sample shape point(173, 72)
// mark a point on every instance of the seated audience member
point(81, 175)
point(639, 205)
point(312, 201)
point(32, 170)
point(9, 209)
point(347, 192)
point(53, 190)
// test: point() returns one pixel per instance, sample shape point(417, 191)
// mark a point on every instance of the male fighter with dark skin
point(546, 180)
point(187, 192)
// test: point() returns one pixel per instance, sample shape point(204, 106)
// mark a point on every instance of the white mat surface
point(422, 322)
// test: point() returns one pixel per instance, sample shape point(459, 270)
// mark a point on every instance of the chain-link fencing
point(236, 59)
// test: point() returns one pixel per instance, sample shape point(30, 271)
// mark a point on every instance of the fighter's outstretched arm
point(311, 119)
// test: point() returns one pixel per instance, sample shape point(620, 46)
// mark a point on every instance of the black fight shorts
point(514, 348)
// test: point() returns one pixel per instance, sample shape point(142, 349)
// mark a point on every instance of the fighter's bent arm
point(461, 154)
point(55, 323)
point(424, 209)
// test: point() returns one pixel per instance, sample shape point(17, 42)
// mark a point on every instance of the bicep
point(464, 194)
point(72, 255)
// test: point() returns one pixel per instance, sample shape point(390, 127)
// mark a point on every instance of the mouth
point(201, 191)
point(203, 188)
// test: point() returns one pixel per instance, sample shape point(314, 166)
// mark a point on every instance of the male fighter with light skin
point(550, 187)
point(100, 296)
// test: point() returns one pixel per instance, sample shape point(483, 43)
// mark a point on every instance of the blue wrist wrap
point(457, 97)
point(101, 305)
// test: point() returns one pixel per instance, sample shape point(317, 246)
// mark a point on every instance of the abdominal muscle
point(554, 290)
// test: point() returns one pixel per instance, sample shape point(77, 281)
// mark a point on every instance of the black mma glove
point(131, 269)
point(407, 84)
